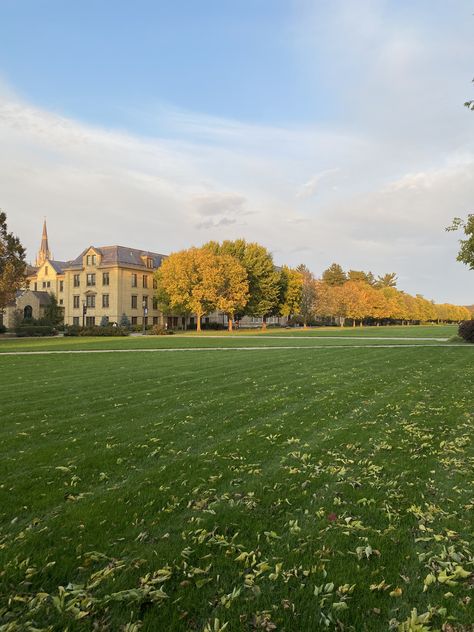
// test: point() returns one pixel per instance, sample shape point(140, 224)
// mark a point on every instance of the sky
point(327, 130)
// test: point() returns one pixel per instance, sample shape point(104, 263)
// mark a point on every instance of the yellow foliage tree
point(233, 288)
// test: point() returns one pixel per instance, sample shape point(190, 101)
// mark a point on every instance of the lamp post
point(84, 312)
point(145, 312)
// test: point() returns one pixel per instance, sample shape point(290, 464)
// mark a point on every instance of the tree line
point(239, 278)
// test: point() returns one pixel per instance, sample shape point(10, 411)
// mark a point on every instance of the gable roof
point(119, 255)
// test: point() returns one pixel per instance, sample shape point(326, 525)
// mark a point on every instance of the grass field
point(292, 489)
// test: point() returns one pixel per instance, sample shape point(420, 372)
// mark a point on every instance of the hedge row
point(95, 331)
point(26, 331)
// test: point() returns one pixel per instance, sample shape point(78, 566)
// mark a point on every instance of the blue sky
point(328, 130)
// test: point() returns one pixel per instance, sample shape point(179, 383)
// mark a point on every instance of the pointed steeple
point(43, 252)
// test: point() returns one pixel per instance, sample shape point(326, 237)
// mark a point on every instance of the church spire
point(43, 252)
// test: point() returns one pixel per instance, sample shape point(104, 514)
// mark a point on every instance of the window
point(149, 263)
point(155, 303)
point(90, 279)
point(134, 301)
point(155, 320)
point(75, 321)
point(75, 301)
point(145, 321)
point(155, 284)
point(105, 319)
point(48, 283)
point(90, 321)
point(145, 280)
point(88, 260)
point(61, 286)
point(77, 280)
point(45, 270)
point(134, 320)
point(36, 286)
point(44, 283)
point(105, 300)
point(145, 301)
point(93, 260)
point(60, 301)
point(134, 280)
point(105, 278)
point(90, 300)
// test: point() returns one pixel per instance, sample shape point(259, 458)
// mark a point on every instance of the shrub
point(466, 330)
point(24, 331)
point(156, 330)
point(95, 330)
point(124, 321)
point(104, 322)
point(212, 326)
point(2, 329)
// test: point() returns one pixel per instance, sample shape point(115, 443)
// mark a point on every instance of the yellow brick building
point(106, 281)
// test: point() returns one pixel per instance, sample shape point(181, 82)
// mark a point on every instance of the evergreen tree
point(334, 275)
point(53, 313)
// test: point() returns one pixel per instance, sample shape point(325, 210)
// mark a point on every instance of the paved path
point(260, 348)
point(316, 337)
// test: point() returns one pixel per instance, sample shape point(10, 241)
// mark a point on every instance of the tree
point(359, 275)
point(263, 278)
point(466, 251)
point(308, 294)
point(12, 264)
point(188, 282)
point(355, 297)
point(387, 280)
point(53, 313)
point(233, 287)
point(124, 321)
point(291, 288)
point(334, 275)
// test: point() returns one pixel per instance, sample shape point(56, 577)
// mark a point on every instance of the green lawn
point(295, 488)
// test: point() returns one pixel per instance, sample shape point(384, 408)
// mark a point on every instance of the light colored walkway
point(315, 337)
point(260, 348)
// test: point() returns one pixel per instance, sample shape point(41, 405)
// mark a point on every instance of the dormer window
point(149, 262)
point(88, 260)
point(93, 260)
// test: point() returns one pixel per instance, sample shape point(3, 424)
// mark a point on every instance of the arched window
point(28, 312)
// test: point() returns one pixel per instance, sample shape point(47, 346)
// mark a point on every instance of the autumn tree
point(233, 288)
point(12, 263)
point(188, 282)
point(334, 275)
point(291, 287)
point(263, 278)
point(308, 294)
point(360, 275)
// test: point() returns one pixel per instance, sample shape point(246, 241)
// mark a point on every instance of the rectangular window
point(134, 280)
point(155, 320)
point(155, 303)
point(105, 278)
point(145, 280)
point(145, 301)
point(44, 283)
point(93, 260)
point(48, 284)
point(75, 321)
point(145, 321)
point(36, 286)
point(45, 270)
point(61, 286)
point(90, 300)
point(90, 321)
point(88, 260)
point(77, 280)
point(105, 300)
point(60, 301)
point(134, 320)
point(90, 280)
point(75, 301)
point(155, 284)
point(149, 263)
point(134, 302)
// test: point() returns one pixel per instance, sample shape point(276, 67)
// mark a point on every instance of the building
point(102, 283)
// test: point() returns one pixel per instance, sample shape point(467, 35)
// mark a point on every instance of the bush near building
point(96, 331)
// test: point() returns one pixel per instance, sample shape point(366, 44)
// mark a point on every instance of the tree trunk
point(353, 322)
point(198, 322)
point(230, 322)
point(264, 323)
